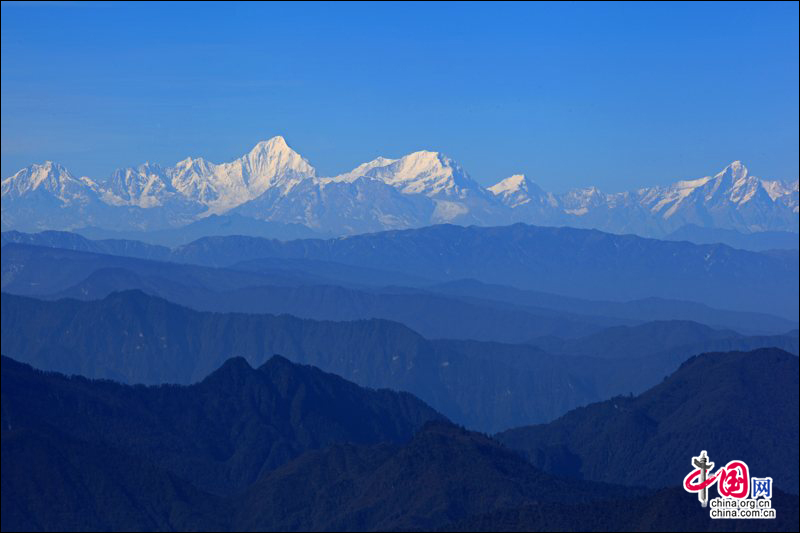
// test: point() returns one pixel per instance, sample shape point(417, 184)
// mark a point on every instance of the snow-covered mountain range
point(273, 182)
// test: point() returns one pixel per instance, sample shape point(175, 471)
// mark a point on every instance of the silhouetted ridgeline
point(327, 290)
point(136, 338)
point(736, 405)
point(80, 454)
point(221, 433)
point(574, 262)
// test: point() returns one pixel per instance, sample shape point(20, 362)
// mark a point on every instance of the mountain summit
point(272, 182)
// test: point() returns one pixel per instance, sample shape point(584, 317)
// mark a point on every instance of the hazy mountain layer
point(135, 338)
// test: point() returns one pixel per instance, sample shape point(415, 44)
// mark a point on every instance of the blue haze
point(618, 95)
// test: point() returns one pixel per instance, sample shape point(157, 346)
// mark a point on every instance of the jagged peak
point(273, 144)
point(735, 170)
point(46, 166)
point(191, 162)
point(421, 172)
point(143, 169)
point(510, 184)
point(47, 174)
point(274, 155)
point(424, 162)
point(149, 166)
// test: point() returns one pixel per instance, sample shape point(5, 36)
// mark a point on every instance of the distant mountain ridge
point(272, 182)
point(577, 263)
point(572, 262)
point(756, 242)
point(136, 338)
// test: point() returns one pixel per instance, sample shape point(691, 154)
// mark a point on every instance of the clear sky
point(615, 95)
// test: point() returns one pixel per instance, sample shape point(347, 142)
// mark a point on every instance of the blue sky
point(615, 95)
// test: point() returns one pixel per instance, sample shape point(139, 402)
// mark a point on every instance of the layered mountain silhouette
point(280, 289)
point(644, 309)
point(582, 264)
point(136, 338)
point(573, 262)
point(330, 290)
point(221, 433)
point(44, 272)
point(735, 405)
point(652, 338)
point(756, 242)
point(93, 446)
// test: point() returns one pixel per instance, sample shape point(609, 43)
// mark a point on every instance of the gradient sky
point(614, 95)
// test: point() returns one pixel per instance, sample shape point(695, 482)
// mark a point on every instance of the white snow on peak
point(362, 169)
point(271, 163)
point(50, 177)
point(692, 184)
point(512, 184)
point(777, 189)
point(518, 190)
point(432, 174)
point(144, 186)
point(732, 185)
point(513, 191)
point(736, 168)
point(424, 172)
point(419, 188)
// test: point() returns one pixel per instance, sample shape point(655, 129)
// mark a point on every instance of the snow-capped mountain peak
point(511, 184)
point(273, 182)
point(193, 178)
point(736, 169)
point(430, 173)
point(47, 177)
point(271, 163)
point(144, 186)
point(777, 189)
point(362, 169)
point(517, 190)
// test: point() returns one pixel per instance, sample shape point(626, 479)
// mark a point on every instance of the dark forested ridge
point(95, 455)
point(221, 433)
point(51, 482)
point(663, 510)
point(736, 405)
